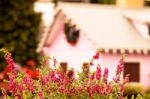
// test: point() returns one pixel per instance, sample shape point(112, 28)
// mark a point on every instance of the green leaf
point(139, 96)
point(132, 97)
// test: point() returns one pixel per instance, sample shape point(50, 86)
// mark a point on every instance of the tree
point(104, 1)
point(19, 25)
point(147, 3)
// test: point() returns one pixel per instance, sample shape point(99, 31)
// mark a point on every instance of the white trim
point(122, 51)
point(114, 51)
point(131, 51)
point(138, 51)
point(106, 50)
point(145, 51)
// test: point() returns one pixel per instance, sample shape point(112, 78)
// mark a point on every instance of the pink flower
point(122, 88)
point(116, 79)
point(92, 89)
point(64, 82)
point(67, 81)
point(109, 89)
point(92, 76)
point(120, 66)
point(28, 81)
point(71, 91)
point(20, 88)
point(91, 63)
point(12, 85)
point(79, 89)
point(54, 76)
point(98, 73)
point(119, 69)
point(96, 88)
point(89, 90)
point(9, 59)
point(102, 90)
point(45, 79)
point(122, 85)
point(121, 97)
point(62, 89)
point(61, 75)
point(10, 63)
point(106, 73)
point(96, 56)
point(40, 94)
point(3, 92)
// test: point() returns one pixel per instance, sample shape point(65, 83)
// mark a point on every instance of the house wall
point(112, 60)
point(65, 52)
point(84, 50)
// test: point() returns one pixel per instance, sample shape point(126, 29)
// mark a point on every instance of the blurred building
point(130, 3)
point(115, 30)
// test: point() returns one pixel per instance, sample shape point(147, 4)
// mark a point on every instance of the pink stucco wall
point(83, 51)
point(111, 59)
point(73, 55)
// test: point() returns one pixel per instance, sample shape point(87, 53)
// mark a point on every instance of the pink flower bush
point(57, 84)
point(98, 73)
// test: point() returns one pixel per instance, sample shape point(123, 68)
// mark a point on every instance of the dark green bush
point(147, 96)
point(104, 1)
point(147, 3)
point(133, 89)
point(147, 93)
point(19, 26)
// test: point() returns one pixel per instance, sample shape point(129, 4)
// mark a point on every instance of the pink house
point(114, 30)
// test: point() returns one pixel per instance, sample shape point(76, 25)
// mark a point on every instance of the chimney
point(130, 3)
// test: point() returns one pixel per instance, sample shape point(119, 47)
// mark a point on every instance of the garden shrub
point(147, 93)
point(133, 89)
point(19, 25)
point(54, 83)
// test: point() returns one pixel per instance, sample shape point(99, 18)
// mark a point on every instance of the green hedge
point(147, 3)
point(19, 26)
point(147, 93)
point(104, 1)
point(133, 89)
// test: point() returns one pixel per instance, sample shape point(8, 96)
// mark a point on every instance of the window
point(134, 70)
point(63, 66)
point(149, 29)
point(85, 68)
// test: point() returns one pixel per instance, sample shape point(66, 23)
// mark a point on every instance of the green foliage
point(54, 83)
point(133, 90)
point(147, 3)
point(104, 1)
point(147, 96)
point(139, 96)
point(19, 28)
point(147, 93)
point(2, 61)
